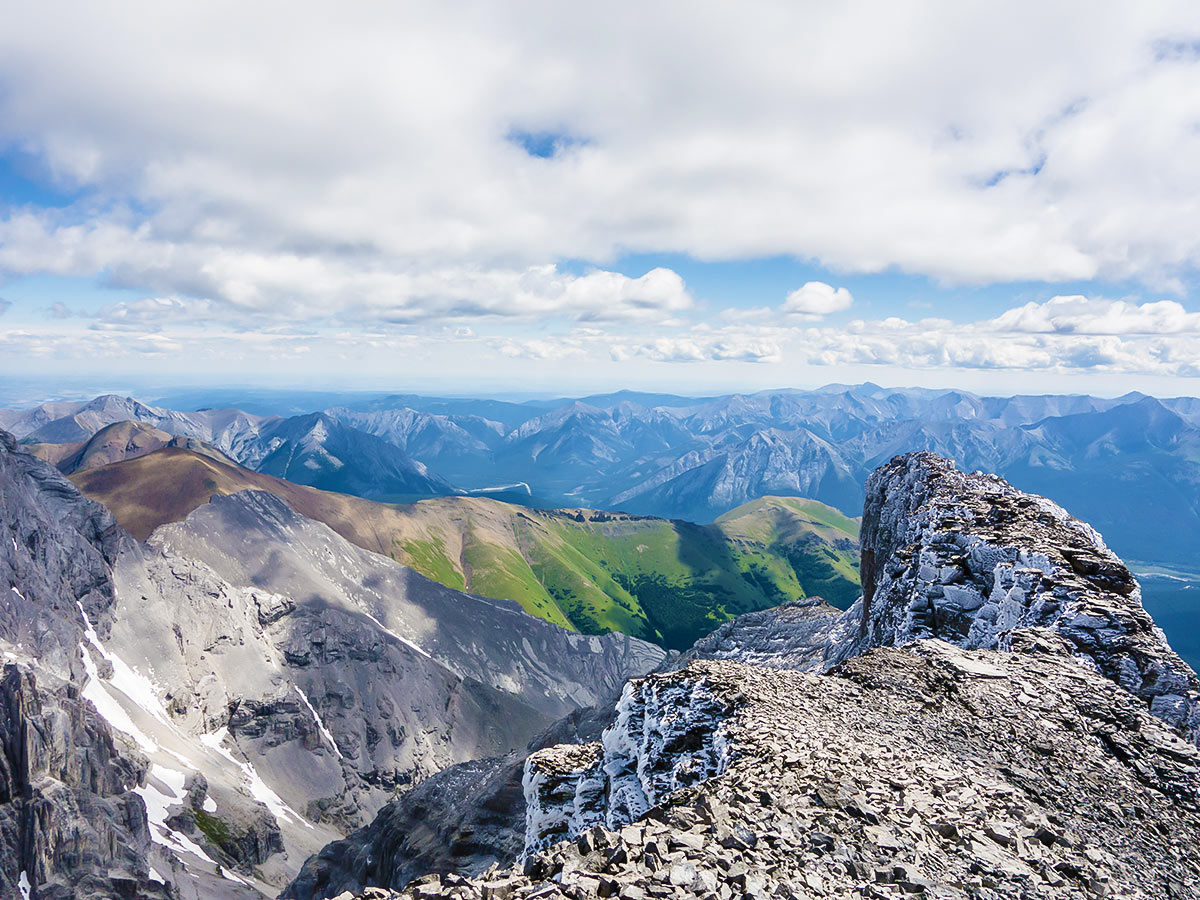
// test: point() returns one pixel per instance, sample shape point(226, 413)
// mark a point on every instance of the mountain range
point(1130, 465)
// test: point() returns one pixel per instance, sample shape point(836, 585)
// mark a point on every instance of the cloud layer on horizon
point(393, 172)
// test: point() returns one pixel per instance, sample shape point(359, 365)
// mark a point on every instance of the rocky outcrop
point(808, 635)
point(970, 559)
point(464, 819)
point(1033, 736)
point(71, 823)
point(928, 770)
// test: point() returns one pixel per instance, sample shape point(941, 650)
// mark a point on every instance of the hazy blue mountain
point(322, 452)
point(1130, 465)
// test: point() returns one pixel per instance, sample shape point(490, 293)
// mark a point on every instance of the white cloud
point(702, 348)
point(1061, 335)
point(362, 161)
point(815, 300)
point(1083, 315)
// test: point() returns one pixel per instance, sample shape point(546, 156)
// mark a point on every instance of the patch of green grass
point(213, 828)
point(497, 571)
point(666, 581)
point(431, 560)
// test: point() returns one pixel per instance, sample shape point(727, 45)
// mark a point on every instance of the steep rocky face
point(56, 555)
point(70, 820)
point(208, 733)
point(968, 558)
point(71, 823)
point(939, 769)
point(464, 819)
point(883, 777)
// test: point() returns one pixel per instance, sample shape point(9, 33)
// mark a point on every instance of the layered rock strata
point(968, 558)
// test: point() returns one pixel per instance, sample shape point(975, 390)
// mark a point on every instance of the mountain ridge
point(594, 571)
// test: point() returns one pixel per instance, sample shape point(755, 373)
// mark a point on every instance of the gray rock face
point(884, 777)
point(198, 725)
point(808, 635)
point(464, 819)
point(970, 559)
point(70, 822)
point(939, 769)
point(56, 556)
point(254, 540)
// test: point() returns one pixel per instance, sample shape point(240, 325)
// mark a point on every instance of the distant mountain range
point(1130, 465)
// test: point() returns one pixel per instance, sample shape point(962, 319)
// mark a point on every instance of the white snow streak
point(257, 787)
point(320, 724)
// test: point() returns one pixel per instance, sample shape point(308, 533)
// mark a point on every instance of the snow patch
point(108, 707)
point(320, 723)
point(404, 641)
point(257, 787)
point(158, 800)
point(23, 881)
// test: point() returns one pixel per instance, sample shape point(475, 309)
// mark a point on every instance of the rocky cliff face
point(71, 823)
point(196, 716)
point(998, 716)
point(968, 558)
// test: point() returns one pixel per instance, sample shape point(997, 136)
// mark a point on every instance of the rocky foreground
point(998, 717)
point(925, 771)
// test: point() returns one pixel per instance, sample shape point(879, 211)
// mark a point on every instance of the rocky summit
point(927, 770)
point(997, 717)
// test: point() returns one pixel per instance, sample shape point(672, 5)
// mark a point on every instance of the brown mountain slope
point(663, 580)
point(114, 443)
point(166, 485)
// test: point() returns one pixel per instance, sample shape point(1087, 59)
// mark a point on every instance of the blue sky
point(539, 198)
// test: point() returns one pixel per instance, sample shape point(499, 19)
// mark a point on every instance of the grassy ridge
point(664, 580)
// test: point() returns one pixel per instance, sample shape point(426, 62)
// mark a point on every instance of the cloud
point(4, 305)
point(243, 285)
point(152, 313)
point(438, 157)
point(1072, 334)
point(815, 300)
point(1082, 315)
point(702, 348)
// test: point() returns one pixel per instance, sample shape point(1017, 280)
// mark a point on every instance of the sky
point(697, 197)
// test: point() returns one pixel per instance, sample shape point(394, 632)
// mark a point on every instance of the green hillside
point(667, 581)
point(664, 580)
